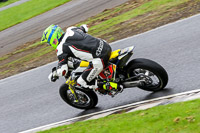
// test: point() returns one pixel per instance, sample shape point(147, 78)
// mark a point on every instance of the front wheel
point(87, 99)
point(152, 74)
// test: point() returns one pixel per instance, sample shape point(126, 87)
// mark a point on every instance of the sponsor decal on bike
point(107, 72)
point(100, 48)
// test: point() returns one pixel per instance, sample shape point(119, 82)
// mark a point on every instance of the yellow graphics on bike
point(70, 81)
point(71, 84)
point(84, 64)
point(114, 54)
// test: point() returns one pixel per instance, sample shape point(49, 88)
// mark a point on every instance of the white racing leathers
point(76, 43)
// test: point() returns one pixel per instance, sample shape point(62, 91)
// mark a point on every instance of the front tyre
point(87, 99)
point(152, 74)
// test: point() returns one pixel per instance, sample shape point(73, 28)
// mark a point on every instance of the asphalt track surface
point(29, 100)
point(64, 15)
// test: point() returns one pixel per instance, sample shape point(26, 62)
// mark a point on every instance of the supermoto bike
point(142, 73)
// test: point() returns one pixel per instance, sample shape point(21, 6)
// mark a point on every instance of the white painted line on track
point(69, 121)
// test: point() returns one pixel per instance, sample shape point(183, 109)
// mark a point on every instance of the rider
point(76, 43)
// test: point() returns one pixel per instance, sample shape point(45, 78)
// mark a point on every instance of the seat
point(113, 55)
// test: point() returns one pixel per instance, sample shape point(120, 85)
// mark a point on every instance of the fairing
point(109, 72)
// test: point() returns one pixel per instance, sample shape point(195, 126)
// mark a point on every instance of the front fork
point(71, 83)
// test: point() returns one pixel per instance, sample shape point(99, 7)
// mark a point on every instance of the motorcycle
point(142, 73)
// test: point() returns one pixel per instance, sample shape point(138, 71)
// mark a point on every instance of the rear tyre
point(154, 75)
point(87, 99)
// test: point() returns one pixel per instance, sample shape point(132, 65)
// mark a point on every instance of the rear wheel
point(153, 76)
point(87, 99)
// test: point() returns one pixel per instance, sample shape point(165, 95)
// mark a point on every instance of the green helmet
point(52, 35)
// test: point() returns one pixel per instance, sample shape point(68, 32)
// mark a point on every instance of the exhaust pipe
point(132, 84)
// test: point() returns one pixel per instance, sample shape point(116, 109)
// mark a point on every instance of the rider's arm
point(77, 33)
point(62, 68)
point(74, 33)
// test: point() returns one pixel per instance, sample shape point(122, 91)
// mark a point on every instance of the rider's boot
point(109, 88)
point(84, 84)
point(112, 85)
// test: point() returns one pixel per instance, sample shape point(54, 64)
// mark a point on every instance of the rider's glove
point(53, 76)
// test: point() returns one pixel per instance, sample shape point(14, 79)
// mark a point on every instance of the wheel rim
point(83, 98)
point(150, 79)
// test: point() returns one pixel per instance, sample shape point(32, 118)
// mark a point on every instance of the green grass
point(175, 118)
point(110, 24)
point(2, 4)
point(21, 50)
point(27, 10)
point(22, 61)
point(11, 65)
point(29, 57)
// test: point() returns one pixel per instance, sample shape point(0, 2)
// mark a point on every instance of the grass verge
point(174, 118)
point(149, 6)
point(130, 18)
point(27, 10)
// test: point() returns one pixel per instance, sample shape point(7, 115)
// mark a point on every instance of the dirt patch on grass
point(133, 26)
point(152, 20)
point(110, 13)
